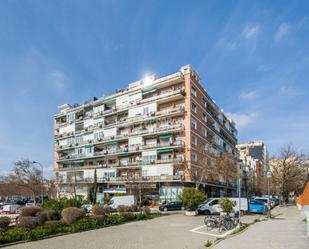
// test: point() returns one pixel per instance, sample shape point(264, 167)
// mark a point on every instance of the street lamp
point(42, 179)
point(268, 175)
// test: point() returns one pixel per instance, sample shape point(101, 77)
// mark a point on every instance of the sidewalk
point(286, 231)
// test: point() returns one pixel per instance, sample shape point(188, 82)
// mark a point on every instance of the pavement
point(172, 231)
point(285, 231)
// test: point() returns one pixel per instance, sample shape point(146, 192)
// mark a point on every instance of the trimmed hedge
point(30, 211)
point(72, 214)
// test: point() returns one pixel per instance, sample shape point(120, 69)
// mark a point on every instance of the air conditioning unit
point(89, 141)
point(105, 152)
point(70, 145)
point(100, 139)
point(100, 126)
point(76, 144)
point(104, 165)
point(152, 113)
point(60, 147)
point(86, 129)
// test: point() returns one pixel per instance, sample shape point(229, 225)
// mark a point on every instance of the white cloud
point(248, 95)
point(283, 30)
point(290, 91)
point(250, 31)
point(59, 79)
point(241, 119)
point(231, 45)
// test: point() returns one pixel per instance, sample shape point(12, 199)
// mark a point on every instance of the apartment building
point(254, 158)
point(157, 133)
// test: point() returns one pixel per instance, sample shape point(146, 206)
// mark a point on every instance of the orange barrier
point(303, 199)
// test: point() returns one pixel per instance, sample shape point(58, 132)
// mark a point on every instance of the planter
point(190, 213)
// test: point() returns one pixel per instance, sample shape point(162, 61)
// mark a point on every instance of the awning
point(109, 101)
point(56, 141)
point(111, 142)
point(165, 150)
point(125, 154)
point(149, 90)
point(122, 112)
point(166, 137)
point(79, 161)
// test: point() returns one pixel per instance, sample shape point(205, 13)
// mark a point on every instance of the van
point(212, 206)
point(116, 201)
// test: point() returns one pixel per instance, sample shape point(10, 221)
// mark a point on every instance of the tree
point(27, 177)
point(94, 187)
point(191, 198)
point(288, 171)
point(226, 166)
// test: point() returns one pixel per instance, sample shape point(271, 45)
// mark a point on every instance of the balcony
point(121, 179)
point(167, 95)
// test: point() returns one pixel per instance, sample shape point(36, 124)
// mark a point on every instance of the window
point(205, 102)
point(79, 139)
point(204, 117)
point(194, 157)
point(70, 117)
point(70, 140)
point(88, 150)
point(194, 140)
point(146, 110)
point(98, 135)
point(193, 107)
point(149, 158)
point(194, 92)
point(204, 132)
point(193, 124)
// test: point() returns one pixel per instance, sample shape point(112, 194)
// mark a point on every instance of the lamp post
point(268, 175)
point(42, 179)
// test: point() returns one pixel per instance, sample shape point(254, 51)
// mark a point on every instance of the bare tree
point(27, 177)
point(289, 172)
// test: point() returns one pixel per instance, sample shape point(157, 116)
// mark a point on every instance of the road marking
point(195, 230)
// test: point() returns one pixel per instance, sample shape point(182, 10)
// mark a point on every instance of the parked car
point(265, 200)
point(212, 206)
point(87, 208)
point(116, 201)
point(173, 205)
point(257, 207)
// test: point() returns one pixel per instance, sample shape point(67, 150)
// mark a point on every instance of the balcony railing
point(120, 179)
point(117, 137)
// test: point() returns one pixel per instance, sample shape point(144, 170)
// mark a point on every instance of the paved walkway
point(286, 231)
point(170, 231)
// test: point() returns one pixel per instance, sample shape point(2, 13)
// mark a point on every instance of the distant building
point(157, 132)
point(254, 158)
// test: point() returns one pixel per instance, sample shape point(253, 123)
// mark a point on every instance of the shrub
point(27, 222)
point(84, 224)
point(41, 217)
point(141, 216)
point(107, 210)
point(145, 202)
point(98, 209)
point(72, 214)
point(134, 208)
point(191, 198)
point(59, 205)
point(52, 215)
point(52, 225)
point(13, 234)
point(122, 209)
point(128, 216)
point(38, 233)
point(227, 205)
point(30, 211)
point(146, 210)
point(114, 219)
point(4, 223)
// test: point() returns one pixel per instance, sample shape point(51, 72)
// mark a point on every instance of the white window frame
point(194, 91)
point(193, 124)
point(194, 107)
point(194, 140)
point(194, 157)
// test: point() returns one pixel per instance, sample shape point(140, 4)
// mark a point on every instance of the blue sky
point(252, 56)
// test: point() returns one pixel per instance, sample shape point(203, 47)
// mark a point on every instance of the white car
point(212, 206)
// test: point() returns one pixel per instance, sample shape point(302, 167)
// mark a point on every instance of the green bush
point(4, 223)
point(72, 214)
point(59, 205)
point(134, 208)
point(227, 205)
point(191, 198)
point(27, 223)
point(128, 216)
point(30, 211)
point(145, 202)
point(114, 219)
point(52, 225)
point(13, 234)
point(38, 233)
